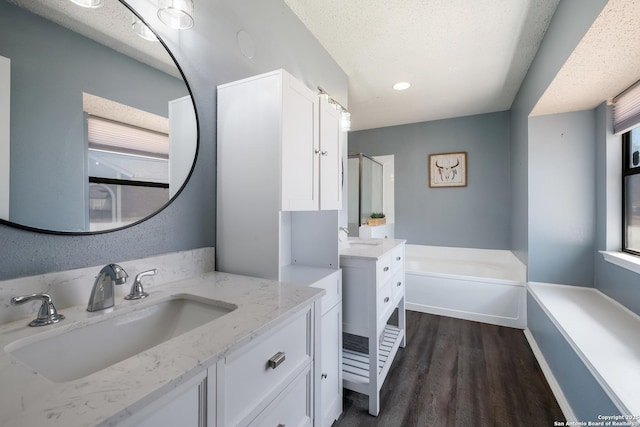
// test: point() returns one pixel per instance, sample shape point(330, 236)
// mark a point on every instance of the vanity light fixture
point(346, 121)
point(345, 115)
point(402, 86)
point(141, 29)
point(177, 14)
point(93, 4)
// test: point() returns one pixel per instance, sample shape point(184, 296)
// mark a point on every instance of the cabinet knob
point(277, 359)
point(386, 269)
point(398, 258)
point(386, 299)
point(323, 376)
point(324, 153)
point(399, 284)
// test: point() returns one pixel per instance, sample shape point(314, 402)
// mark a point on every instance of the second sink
point(76, 351)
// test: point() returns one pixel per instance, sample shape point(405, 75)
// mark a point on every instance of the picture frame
point(448, 170)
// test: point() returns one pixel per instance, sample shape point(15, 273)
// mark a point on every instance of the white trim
point(624, 260)
point(5, 135)
point(551, 379)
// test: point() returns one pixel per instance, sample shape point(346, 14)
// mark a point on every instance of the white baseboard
point(551, 379)
point(518, 323)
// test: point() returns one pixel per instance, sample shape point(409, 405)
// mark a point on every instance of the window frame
point(627, 171)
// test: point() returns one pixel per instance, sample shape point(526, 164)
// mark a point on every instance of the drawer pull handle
point(386, 299)
point(323, 376)
point(277, 359)
point(399, 284)
point(386, 269)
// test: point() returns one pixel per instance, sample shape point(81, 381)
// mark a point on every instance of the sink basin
point(67, 354)
point(359, 244)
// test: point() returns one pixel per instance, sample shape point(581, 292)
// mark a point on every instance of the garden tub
point(483, 285)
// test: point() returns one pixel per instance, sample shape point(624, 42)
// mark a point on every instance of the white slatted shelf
point(355, 364)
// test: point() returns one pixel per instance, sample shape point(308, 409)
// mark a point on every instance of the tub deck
point(482, 285)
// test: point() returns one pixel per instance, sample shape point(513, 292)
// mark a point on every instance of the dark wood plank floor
point(459, 373)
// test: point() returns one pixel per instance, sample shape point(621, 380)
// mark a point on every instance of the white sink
point(67, 354)
point(359, 244)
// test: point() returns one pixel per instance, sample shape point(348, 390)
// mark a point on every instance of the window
point(128, 172)
point(631, 191)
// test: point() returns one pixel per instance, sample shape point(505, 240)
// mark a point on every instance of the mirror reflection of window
point(128, 164)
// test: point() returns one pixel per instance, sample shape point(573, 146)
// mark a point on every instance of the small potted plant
point(377, 218)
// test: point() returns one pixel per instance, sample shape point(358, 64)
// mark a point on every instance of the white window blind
point(120, 137)
point(626, 109)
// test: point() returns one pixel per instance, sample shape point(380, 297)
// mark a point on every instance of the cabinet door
point(300, 147)
point(331, 158)
point(331, 370)
point(183, 406)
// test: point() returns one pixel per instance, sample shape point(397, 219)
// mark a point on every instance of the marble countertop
point(367, 248)
point(111, 395)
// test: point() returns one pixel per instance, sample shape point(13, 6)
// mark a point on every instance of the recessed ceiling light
point(402, 85)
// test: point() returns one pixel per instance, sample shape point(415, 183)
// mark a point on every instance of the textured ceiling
point(462, 57)
point(605, 62)
point(109, 25)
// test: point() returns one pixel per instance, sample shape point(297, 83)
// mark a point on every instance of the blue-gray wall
point(562, 205)
point(570, 22)
point(475, 216)
point(50, 69)
point(209, 56)
point(531, 143)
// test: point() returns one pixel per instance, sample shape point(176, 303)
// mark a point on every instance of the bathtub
point(483, 285)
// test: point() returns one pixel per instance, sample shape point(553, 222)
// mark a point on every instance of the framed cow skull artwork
point(448, 170)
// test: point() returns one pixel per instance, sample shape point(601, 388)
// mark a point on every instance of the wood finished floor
point(458, 373)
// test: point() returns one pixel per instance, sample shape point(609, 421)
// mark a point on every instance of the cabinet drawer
point(397, 286)
point(248, 377)
point(384, 302)
point(333, 286)
point(383, 269)
point(397, 258)
point(292, 407)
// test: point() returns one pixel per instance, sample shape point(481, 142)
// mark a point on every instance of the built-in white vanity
point(247, 355)
point(373, 288)
point(279, 189)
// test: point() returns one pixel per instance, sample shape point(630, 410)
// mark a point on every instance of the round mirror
point(98, 130)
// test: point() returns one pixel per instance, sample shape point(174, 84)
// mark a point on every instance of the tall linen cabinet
point(279, 189)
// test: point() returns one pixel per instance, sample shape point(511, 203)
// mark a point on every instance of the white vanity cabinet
point(276, 135)
point(328, 366)
point(184, 406)
point(269, 381)
point(373, 288)
point(265, 382)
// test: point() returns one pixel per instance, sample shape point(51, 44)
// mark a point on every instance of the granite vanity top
point(111, 395)
point(368, 251)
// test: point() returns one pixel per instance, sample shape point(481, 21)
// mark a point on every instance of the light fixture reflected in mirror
point(142, 30)
point(89, 3)
point(177, 14)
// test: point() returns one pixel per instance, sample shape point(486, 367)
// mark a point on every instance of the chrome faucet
point(342, 229)
point(102, 294)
